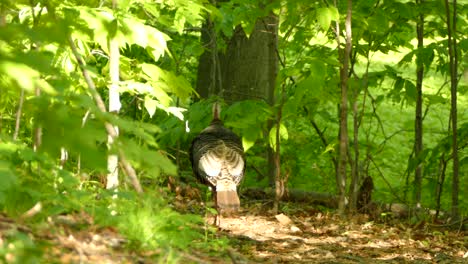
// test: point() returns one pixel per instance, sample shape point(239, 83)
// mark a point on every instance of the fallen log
point(374, 209)
point(292, 195)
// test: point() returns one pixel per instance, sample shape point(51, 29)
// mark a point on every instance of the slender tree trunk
point(452, 49)
point(101, 106)
point(279, 180)
point(2, 15)
point(83, 122)
point(344, 55)
point(418, 140)
point(357, 167)
point(440, 183)
point(18, 115)
point(114, 107)
point(38, 129)
point(271, 23)
point(63, 157)
point(354, 188)
point(2, 24)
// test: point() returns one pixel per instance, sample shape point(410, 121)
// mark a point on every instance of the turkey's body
point(217, 158)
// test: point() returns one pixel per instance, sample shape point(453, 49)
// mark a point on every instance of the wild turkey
point(217, 158)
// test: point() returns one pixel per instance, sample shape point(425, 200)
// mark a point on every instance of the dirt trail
point(327, 239)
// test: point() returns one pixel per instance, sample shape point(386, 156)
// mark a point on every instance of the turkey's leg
point(217, 218)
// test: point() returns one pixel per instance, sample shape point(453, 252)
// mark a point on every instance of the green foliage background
point(160, 47)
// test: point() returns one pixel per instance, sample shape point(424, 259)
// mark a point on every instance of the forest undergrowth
point(301, 233)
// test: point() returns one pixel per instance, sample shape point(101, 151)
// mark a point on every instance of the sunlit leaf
point(150, 105)
point(24, 76)
point(283, 134)
point(247, 144)
point(329, 148)
point(334, 13)
point(177, 112)
point(179, 20)
point(324, 17)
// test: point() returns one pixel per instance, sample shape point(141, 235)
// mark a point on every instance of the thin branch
point(385, 180)
point(18, 115)
point(83, 122)
point(102, 107)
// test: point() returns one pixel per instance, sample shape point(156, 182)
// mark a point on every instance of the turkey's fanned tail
point(228, 201)
point(226, 193)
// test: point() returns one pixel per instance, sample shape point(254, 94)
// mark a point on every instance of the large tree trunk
point(418, 123)
point(246, 70)
point(248, 67)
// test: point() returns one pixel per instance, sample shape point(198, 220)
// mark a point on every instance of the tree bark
point(452, 50)
point(440, 182)
point(353, 188)
point(38, 128)
point(18, 115)
point(418, 136)
point(114, 107)
point(248, 68)
point(279, 179)
point(343, 131)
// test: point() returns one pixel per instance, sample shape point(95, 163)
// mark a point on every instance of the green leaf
point(329, 148)
point(283, 133)
point(411, 92)
point(378, 23)
point(91, 24)
point(176, 111)
point(335, 14)
point(136, 32)
point(24, 76)
point(247, 143)
point(150, 105)
point(436, 99)
point(324, 17)
point(7, 177)
point(135, 87)
point(179, 21)
point(151, 70)
point(8, 181)
point(426, 56)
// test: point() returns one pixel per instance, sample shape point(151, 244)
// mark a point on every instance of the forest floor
point(319, 238)
point(303, 236)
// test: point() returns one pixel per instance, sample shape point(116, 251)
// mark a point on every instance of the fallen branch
point(374, 208)
point(293, 195)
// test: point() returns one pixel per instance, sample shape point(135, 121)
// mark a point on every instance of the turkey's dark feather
point(209, 140)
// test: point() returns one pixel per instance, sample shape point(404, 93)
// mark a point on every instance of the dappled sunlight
point(314, 239)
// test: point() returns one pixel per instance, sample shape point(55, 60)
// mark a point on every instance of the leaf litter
point(258, 236)
point(327, 238)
